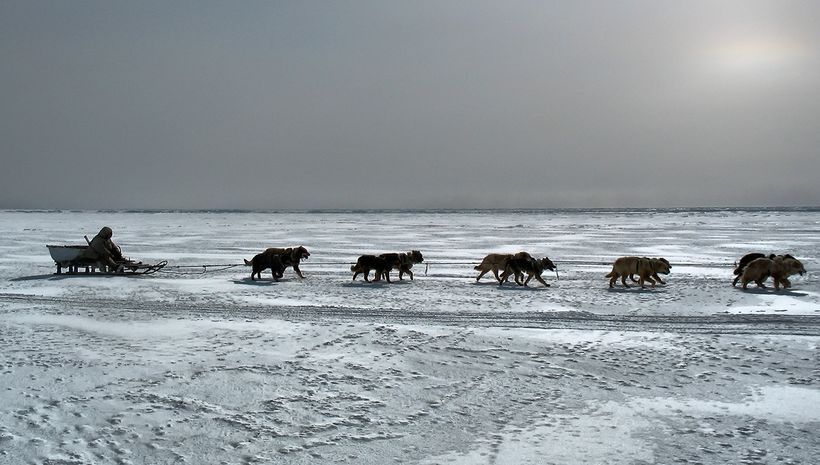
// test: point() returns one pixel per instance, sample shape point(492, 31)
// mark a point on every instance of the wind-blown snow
point(186, 367)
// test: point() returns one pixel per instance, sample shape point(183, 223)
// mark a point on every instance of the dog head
point(660, 265)
point(300, 253)
point(546, 264)
point(790, 265)
point(415, 256)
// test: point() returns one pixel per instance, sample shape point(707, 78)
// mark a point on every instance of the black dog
point(382, 266)
point(532, 267)
point(262, 261)
point(403, 262)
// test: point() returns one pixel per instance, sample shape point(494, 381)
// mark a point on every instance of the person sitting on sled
point(103, 250)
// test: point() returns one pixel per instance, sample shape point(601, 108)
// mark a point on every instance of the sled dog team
point(753, 267)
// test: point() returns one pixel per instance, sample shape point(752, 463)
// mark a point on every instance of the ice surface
point(192, 367)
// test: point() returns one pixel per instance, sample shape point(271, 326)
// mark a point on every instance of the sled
point(70, 258)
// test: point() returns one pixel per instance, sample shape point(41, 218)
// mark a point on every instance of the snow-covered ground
point(191, 367)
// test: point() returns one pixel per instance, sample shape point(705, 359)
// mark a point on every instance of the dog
point(644, 267)
point(403, 262)
point(262, 261)
point(532, 267)
point(382, 266)
point(654, 275)
point(495, 262)
point(744, 262)
point(291, 256)
point(779, 268)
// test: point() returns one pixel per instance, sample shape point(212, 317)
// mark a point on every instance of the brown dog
point(496, 262)
point(262, 261)
point(382, 266)
point(779, 268)
point(403, 262)
point(530, 266)
point(744, 262)
point(641, 266)
point(290, 256)
point(655, 274)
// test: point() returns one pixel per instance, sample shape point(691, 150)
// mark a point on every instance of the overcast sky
point(408, 104)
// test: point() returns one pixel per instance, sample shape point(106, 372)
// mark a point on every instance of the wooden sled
point(70, 258)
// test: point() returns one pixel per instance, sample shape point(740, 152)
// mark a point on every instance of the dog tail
point(353, 268)
point(477, 267)
point(247, 263)
point(611, 274)
point(738, 271)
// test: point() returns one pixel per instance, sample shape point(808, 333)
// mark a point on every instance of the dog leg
point(541, 280)
point(483, 272)
point(623, 281)
point(504, 276)
point(651, 281)
point(495, 273)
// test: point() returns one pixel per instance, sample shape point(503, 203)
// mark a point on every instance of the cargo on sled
point(99, 256)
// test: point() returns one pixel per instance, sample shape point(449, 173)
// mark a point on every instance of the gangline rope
point(217, 267)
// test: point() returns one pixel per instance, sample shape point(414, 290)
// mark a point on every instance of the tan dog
point(403, 262)
point(779, 268)
point(744, 261)
point(654, 275)
point(290, 256)
point(496, 262)
point(532, 267)
point(641, 266)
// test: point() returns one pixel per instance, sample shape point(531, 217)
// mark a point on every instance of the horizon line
point(439, 209)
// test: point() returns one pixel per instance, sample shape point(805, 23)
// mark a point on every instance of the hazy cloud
point(408, 104)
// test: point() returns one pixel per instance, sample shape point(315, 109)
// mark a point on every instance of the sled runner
point(71, 258)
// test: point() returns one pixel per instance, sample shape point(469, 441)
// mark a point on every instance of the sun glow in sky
point(754, 57)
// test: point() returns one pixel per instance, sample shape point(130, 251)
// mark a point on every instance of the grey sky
point(382, 104)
